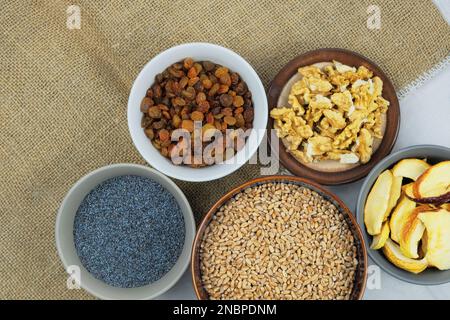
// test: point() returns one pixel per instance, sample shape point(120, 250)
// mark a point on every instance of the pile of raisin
point(190, 91)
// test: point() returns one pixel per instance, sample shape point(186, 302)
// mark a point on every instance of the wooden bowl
point(392, 117)
point(361, 273)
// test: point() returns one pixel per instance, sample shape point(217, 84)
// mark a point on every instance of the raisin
point(226, 100)
point(159, 124)
point(176, 88)
point(146, 103)
point(224, 126)
point(201, 96)
point(234, 78)
point(149, 133)
point(241, 88)
point(213, 78)
point(178, 102)
point(185, 113)
point(215, 104)
point(192, 73)
point(210, 118)
point(229, 120)
point(238, 110)
point(188, 63)
point(188, 125)
point(154, 112)
point(157, 91)
point(169, 86)
point(240, 122)
point(249, 113)
point(208, 65)
point(199, 86)
point(220, 72)
point(177, 66)
point(164, 135)
point(159, 77)
point(176, 73)
point(165, 144)
point(214, 89)
point(157, 144)
point(188, 93)
point(198, 67)
point(203, 106)
point(193, 81)
point(166, 115)
point(225, 79)
point(176, 121)
point(217, 124)
point(183, 82)
point(227, 112)
point(166, 74)
point(197, 116)
point(164, 152)
point(207, 83)
point(170, 95)
point(146, 121)
point(238, 101)
point(163, 107)
point(223, 88)
point(216, 110)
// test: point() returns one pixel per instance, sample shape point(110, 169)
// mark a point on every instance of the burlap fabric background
point(64, 93)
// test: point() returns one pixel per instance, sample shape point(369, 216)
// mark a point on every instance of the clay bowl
point(322, 172)
point(361, 273)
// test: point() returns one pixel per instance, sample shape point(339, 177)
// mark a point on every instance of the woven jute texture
point(64, 93)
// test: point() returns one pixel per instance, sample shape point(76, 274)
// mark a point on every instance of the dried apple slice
point(394, 195)
point(400, 215)
point(379, 240)
point(437, 201)
point(433, 186)
point(408, 190)
point(424, 242)
point(412, 233)
point(393, 253)
point(410, 168)
point(437, 224)
point(377, 203)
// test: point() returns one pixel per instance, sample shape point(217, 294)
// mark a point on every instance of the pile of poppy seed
point(129, 231)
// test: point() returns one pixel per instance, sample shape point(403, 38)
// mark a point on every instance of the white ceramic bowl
point(66, 247)
point(197, 51)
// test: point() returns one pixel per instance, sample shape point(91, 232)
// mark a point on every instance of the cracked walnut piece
point(334, 113)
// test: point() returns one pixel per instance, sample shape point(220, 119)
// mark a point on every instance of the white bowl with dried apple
point(404, 211)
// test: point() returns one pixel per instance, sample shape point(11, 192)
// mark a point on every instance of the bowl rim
point(392, 120)
point(187, 215)
point(252, 149)
point(365, 188)
point(195, 272)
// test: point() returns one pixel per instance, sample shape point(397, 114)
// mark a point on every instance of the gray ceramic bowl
point(433, 154)
point(66, 246)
